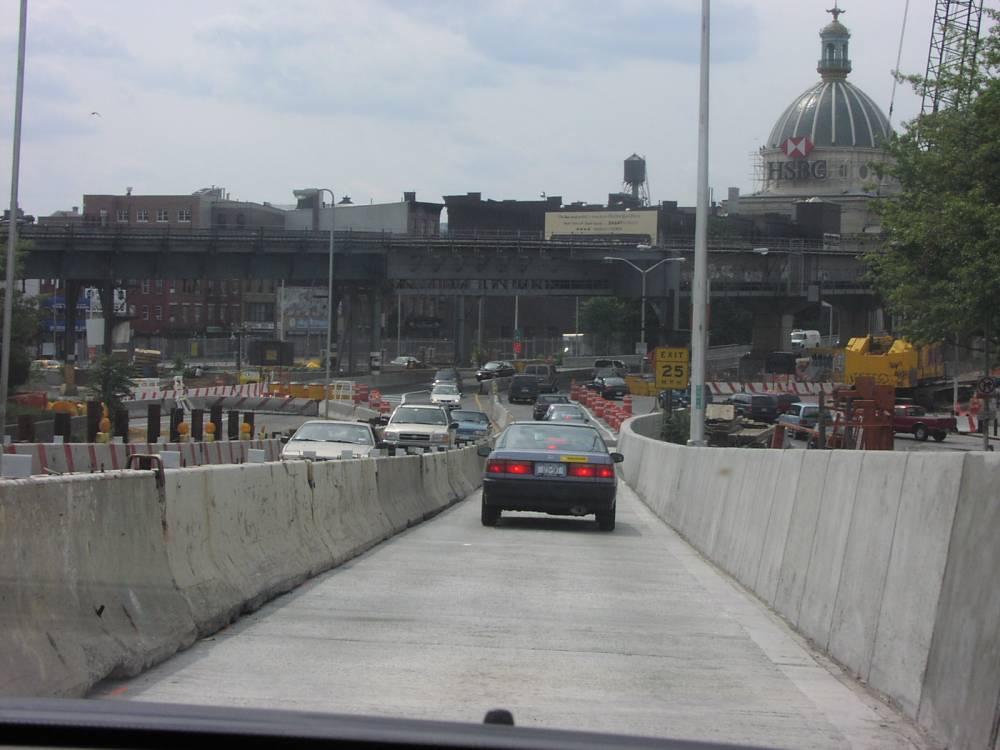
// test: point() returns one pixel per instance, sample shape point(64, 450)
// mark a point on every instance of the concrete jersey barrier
point(885, 561)
point(104, 575)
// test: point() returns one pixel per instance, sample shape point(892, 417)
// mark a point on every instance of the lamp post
point(643, 272)
point(315, 193)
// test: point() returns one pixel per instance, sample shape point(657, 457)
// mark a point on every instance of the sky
point(371, 98)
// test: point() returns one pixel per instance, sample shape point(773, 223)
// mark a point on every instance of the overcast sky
point(373, 97)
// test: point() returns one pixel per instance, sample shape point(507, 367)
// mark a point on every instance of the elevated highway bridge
point(775, 276)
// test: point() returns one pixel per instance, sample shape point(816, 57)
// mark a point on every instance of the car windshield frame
point(324, 432)
point(404, 415)
point(540, 436)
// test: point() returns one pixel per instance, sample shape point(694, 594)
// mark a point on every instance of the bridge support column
point(376, 337)
point(460, 357)
point(106, 292)
point(71, 292)
point(772, 331)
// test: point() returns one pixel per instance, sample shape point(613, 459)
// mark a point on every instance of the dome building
point(824, 143)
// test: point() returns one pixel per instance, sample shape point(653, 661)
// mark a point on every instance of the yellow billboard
point(600, 223)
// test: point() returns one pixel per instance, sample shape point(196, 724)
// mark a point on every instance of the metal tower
point(953, 48)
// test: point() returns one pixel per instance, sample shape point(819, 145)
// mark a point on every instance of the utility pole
point(15, 167)
point(700, 284)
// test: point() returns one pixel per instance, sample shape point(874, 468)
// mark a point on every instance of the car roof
point(334, 421)
point(535, 423)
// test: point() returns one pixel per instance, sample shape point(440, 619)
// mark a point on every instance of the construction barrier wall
point(885, 561)
point(104, 575)
point(68, 458)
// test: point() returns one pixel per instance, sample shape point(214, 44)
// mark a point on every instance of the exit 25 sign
point(672, 367)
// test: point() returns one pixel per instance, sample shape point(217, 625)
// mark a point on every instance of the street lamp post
point(315, 193)
point(642, 313)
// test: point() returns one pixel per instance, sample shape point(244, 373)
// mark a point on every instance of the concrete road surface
point(564, 625)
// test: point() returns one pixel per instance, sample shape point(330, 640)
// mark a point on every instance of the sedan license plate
point(550, 470)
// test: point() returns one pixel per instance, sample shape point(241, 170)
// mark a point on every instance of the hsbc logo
point(796, 147)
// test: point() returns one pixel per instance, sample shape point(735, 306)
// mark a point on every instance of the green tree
point(113, 379)
point(604, 318)
point(939, 271)
point(24, 322)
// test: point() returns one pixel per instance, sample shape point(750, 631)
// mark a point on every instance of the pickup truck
point(913, 420)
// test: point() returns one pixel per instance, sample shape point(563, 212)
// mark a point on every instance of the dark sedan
point(495, 369)
point(545, 400)
point(561, 469)
point(610, 387)
point(566, 413)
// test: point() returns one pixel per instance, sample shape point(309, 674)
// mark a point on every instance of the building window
point(235, 315)
point(162, 215)
point(211, 286)
point(184, 215)
point(210, 313)
point(158, 285)
point(221, 219)
point(241, 220)
point(158, 312)
point(260, 312)
point(145, 312)
point(122, 215)
point(145, 286)
point(222, 313)
point(197, 313)
point(104, 217)
point(185, 312)
point(142, 215)
point(173, 313)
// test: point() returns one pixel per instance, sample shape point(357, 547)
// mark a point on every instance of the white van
point(805, 340)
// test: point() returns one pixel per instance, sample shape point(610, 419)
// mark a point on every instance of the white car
point(405, 361)
point(420, 426)
point(325, 439)
point(445, 394)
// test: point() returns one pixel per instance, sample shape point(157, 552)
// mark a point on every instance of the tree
point(24, 323)
point(114, 380)
point(604, 318)
point(939, 271)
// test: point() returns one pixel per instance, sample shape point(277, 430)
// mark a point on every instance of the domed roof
point(832, 113)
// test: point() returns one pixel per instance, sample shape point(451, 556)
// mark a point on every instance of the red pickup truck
point(915, 421)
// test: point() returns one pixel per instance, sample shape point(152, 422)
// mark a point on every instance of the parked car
point(420, 426)
point(559, 469)
point(914, 420)
point(610, 387)
point(328, 439)
point(758, 407)
point(495, 369)
point(545, 400)
point(410, 363)
point(800, 414)
point(546, 375)
point(473, 426)
point(446, 394)
point(523, 388)
point(785, 401)
point(566, 413)
point(448, 375)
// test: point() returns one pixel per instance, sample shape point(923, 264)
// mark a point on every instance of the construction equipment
point(894, 362)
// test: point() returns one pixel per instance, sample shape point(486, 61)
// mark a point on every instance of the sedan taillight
point(590, 470)
point(503, 466)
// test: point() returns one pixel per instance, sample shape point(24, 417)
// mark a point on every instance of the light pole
point(315, 193)
point(643, 272)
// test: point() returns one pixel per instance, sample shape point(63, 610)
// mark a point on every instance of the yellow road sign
point(672, 367)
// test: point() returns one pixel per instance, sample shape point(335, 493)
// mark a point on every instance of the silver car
point(324, 439)
point(420, 426)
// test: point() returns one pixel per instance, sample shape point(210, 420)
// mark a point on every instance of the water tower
point(635, 179)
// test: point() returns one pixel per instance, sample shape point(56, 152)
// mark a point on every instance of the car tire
point(489, 514)
point(920, 432)
point(940, 435)
point(606, 519)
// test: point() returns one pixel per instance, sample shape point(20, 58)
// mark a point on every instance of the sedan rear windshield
point(414, 415)
point(614, 381)
point(552, 399)
point(763, 400)
point(546, 436)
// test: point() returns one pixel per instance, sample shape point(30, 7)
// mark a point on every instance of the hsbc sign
point(798, 168)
